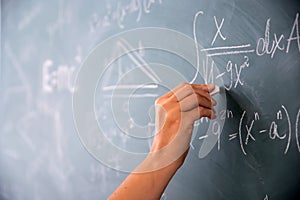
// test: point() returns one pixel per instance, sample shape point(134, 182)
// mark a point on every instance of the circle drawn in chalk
point(90, 130)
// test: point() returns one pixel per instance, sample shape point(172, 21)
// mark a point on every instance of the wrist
point(161, 160)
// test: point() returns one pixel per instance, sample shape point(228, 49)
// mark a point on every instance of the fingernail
point(214, 103)
point(211, 87)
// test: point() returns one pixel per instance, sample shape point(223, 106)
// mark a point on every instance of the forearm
point(147, 185)
point(176, 113)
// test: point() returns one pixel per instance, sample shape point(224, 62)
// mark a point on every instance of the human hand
point(176, 113)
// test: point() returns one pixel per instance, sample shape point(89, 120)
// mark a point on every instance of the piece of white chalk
point(215, 91)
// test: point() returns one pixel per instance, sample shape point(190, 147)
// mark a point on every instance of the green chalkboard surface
point(78, 80)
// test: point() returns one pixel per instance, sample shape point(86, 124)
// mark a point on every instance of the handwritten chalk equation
point(269, 44)
point(282, 116)
point(61, 77)
point(119, 13)
point(235, 72)
point(265, 46)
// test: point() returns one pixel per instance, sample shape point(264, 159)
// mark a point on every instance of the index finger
point(204, 87)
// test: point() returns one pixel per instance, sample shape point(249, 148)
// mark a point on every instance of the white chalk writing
point(265, 46)
point(118, 13)
point(270, 44)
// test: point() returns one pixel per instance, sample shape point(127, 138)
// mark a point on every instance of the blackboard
point(50, 61)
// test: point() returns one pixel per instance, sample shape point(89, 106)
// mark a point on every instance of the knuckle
point(190, 89)
point(203, 87)
point(159, 100)
point(184, 84)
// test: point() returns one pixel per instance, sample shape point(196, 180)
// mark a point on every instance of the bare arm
point(176, 113)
